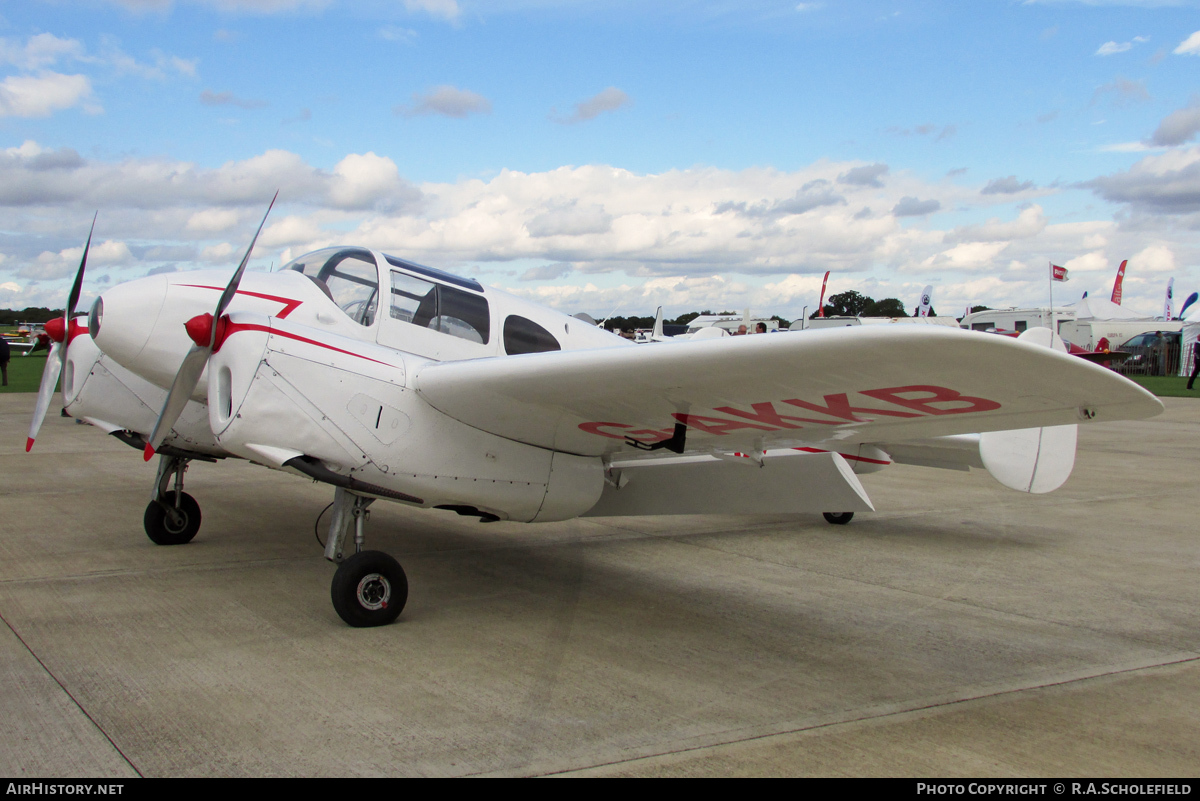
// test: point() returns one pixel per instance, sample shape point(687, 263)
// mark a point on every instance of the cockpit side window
point(441, 308)
point(526, 336)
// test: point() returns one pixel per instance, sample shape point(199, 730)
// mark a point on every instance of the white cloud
point(65, 263)
point(212, 221)
point(449, 101)
point(45, 50)
point(39, 51)
point(443, 9)
point(1088, 262)
point(1178, 126)
point(1006, 186)
point(915, 207)
point(758, 237)
point(1029, 223)
point(362, 180)
point(1165, 183)
point(1189, 46)
point(609, 99)
point(291, 230)
point(1155, 259)
point(211, 98)
point(394, 33)
point(217, 253)
point(1112, 48)
point(43, 94)
point(232, 6)
point(31, 175)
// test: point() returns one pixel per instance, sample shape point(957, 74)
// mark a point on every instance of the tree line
point(843, 304)
point(633, 323)
point(31, 314)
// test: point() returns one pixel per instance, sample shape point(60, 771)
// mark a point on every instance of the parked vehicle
point(1151, 353)
point(1102, 334)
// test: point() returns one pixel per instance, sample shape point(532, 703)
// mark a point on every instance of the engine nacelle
point(105, 394)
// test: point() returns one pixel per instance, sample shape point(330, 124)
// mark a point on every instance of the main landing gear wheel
point(173, 526)
point(369, 589)
point(838, 518)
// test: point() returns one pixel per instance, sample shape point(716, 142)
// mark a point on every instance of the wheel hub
point(374, 591)
point(175, 521)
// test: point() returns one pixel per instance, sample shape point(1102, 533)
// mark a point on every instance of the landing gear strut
point(369, 587)
point(173, 516)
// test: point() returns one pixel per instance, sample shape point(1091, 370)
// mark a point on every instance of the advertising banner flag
point(1058, 273)
point(821, 302)
point(926, 301)
point(1169, 303)
point(1187, 304)
point(1116, 295)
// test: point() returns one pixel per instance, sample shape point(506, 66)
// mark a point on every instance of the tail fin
point(1035, 460)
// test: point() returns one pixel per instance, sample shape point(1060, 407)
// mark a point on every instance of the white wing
point(839, 386)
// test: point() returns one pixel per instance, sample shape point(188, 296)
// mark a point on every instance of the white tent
point(1100, 309)
point(1191, 332)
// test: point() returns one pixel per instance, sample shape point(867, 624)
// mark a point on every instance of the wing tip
point(28, 444)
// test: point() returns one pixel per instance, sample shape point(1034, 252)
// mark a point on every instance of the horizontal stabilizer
point(787, 482)
point(959, 452)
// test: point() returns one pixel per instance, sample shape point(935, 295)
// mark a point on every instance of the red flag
point(1058, 273)
point(1116, 295)
point(821, 303)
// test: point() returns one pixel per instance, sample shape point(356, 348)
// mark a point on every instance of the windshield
point(349, 276)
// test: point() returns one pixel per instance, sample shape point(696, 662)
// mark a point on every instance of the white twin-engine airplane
point(386, 379)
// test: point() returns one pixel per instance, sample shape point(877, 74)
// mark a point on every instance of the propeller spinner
point(61, 331)
point(205, 337)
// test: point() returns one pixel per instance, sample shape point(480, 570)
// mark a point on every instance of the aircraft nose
point(124, 317)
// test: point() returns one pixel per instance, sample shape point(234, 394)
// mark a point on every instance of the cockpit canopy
point(350, 277)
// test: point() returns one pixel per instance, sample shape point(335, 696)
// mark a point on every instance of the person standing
point(5, 355)
point(1195, 362)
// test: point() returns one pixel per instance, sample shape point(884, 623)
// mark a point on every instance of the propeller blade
point(181, 390)
point(45, 392)
point(194, 362)
point(77, 287)
point(56, 359)
point(231, 289)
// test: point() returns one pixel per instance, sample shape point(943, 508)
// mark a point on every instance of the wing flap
point(786, 482)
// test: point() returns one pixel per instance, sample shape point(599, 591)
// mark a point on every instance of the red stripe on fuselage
point(232, 328)
point(289, 304)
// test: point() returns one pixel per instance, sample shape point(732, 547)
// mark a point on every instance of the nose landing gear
point(172, 516)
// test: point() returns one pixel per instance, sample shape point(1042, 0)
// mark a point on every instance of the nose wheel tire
point(165, 529)
point(838, 518)
point(369, 589)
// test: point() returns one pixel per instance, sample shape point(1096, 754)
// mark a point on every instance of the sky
point(610, 156)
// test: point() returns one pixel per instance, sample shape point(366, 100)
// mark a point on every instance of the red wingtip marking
point(28, 444)
point(149, 452)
